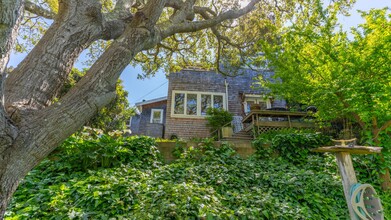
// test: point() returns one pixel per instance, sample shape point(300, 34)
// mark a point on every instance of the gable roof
point(145, 102)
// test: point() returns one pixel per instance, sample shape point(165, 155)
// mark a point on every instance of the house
point(190, 92)
point(150, 118)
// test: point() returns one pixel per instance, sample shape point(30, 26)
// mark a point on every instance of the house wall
point(209, 81)
point(141, 124)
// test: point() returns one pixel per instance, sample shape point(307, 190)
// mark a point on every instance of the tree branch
point(38, 10)
point(384, 127)
point(95, 90)
point(346, 105)
point(121, 11)
point(199, 25)
point(38, 78)
point(204, 11)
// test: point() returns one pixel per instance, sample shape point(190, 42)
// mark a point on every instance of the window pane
point(263, 104)
point(249, 104)
point(156, 116)
point(206, 102)
point(191, 104)
point(179, 101)
point(217, 101)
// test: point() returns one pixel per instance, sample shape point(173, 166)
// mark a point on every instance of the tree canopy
point(343, 74)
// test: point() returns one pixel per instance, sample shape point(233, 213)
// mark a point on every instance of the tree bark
point(10, 17)
point(43, 71)
point(36, 126)
point(385, 177)
point(42, 131)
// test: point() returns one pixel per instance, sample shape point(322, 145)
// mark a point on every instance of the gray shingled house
point(190, 92)
point(150, 118)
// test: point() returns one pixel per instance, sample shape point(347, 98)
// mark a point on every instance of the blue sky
point(157, 86)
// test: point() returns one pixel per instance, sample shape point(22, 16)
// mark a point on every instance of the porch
point(259, 121)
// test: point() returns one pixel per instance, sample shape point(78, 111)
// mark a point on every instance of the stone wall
point(243, 148)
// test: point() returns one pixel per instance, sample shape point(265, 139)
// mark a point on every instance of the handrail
point(219, 129)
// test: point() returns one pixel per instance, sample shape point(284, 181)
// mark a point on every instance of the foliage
point(114, 116)
point(93, 149)
point(296, 147)
point(316, 63)
point(205, 182)
point(199, 49)
point(217, 118)
point(291, 145)
point(343, 76)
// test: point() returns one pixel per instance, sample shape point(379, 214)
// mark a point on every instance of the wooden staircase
point(241, 135)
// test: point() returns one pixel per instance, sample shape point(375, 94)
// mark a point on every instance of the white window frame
point(198, 115)
point(256, 99)
point(161, 115)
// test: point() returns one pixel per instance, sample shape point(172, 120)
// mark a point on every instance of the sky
point(157, 86)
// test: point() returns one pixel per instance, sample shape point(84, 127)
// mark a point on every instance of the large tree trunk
point(41, 131)
point(10, 17)
point(31, 126)
point(77, 25)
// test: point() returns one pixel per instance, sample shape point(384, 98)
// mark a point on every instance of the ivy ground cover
point(107, 177)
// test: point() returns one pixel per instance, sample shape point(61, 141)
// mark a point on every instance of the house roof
point(145, 102)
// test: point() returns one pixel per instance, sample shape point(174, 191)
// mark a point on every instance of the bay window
point(195, 104)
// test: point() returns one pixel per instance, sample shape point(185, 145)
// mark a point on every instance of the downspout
point(226, 93)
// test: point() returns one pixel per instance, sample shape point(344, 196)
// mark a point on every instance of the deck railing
point(260, 121)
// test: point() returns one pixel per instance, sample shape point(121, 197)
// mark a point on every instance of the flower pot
point(226, 132)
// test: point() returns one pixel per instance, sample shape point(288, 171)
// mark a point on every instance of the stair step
point(245, 135)
point(242, 134)
point(238, 138)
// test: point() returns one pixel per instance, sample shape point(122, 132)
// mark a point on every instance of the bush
point(90, 151)
point(205, 182)
point(293, 146)
point(218, 118)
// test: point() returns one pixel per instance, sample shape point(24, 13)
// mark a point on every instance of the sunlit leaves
point(317, 63)
point(53, 5)
point(206, 182)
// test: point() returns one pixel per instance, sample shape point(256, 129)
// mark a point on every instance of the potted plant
point(219, 119)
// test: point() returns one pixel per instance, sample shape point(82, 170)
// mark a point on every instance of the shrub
point(291, 145)
point(88, 150)
point(218, 118)
point(206, 182)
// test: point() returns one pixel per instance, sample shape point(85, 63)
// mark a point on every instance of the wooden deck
point(262, 120)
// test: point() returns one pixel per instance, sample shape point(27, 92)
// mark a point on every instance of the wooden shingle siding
point(141, 124)
point(209, 81)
